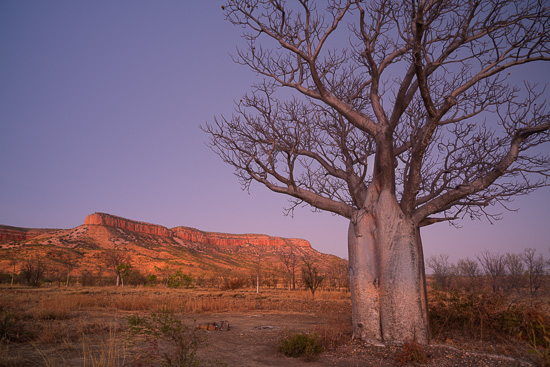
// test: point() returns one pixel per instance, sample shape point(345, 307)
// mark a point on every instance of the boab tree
point(399, 115)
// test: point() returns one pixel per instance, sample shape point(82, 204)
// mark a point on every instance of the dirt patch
point(252, 339)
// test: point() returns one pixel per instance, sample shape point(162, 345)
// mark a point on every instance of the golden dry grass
point(87, 326)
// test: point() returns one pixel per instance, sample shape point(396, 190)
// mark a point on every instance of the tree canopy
point(422, 85)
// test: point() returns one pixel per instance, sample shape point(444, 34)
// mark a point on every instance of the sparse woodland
point(395, 115)
point(490, 304)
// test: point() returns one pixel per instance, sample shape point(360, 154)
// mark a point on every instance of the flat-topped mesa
point(230, 240)
point(109, 220)
point(192, 234)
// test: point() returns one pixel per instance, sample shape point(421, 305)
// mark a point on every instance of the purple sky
point(100, 104)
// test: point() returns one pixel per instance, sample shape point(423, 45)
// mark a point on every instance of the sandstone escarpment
point(103, 219)
point(8, 233)
point(192, 234)
point(226, 239)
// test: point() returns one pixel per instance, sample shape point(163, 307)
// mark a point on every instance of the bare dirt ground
point(252, 339)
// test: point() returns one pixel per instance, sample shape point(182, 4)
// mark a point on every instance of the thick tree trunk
point(388, 295)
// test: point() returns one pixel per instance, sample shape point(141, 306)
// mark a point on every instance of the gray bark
point(386, 271)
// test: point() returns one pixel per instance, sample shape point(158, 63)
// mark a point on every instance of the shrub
point(481, 317)
point(151, 280)
point(411, 354)
point(167, 338)
point(232, 284)
point(334, 332)
point(180, 279)
point(10, 325)
point(539, 340)
point(300, 344)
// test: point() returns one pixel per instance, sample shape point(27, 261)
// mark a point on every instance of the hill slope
point(154, 249)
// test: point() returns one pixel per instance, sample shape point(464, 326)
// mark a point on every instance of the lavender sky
point(100, 107)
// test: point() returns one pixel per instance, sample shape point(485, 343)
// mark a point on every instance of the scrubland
point(139, 326)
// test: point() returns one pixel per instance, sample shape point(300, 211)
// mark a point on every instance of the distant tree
point(310, 274)
point(337, 275)
point(442, 270)
point(55, 273)
point(123, 271)
point(70, 262)
point(87, 278)
point(535, 269)
point(118, 261)
point(290, 260)
point(166, 270)
point(398, 115)
point(32, 271)
point(271, 275)
point(494, 266)
point(514, 271)
point(180, 279)
point(151, 280)
point(259, 253)
point(343, 274)
point(470, 274)
point(13, 264)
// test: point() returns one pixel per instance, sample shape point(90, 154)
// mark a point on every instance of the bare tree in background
point(259, 253)
point(13, 264)
point(33, 270)
point(70, 262)
point(400, 114)
point(311, 276)
point(494, 266)
point(514, 271)
point(290, 260)
point(442, 270)
point(536, 266)
point(469, 273)
point(118, 261)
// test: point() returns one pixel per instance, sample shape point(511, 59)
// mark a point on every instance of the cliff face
point(192, 234)
point(108, 220)
point(225, 239)
point(8, 233)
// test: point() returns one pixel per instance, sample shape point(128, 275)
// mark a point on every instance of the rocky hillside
point(8, 233)
point(151, 247)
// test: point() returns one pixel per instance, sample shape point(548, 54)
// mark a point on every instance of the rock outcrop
point(226, 239)
point(103, 219)
point(8, 233)
point(192, 234)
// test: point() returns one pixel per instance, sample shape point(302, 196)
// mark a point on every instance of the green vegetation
point(300, 344)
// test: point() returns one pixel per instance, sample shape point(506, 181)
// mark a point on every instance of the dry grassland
point(88, 326)
point(81, 326)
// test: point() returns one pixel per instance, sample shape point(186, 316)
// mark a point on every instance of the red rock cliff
point(226, 239)
point(108, 220)
point(192, 234)
point(8, 233)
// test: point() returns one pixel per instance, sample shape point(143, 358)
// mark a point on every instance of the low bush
point(476, 316)
point(167, 339)
point(10, 325)
point(538, 337)
point(300, 344)
point(334, 332)
point(411, 354)
point(233, 284)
